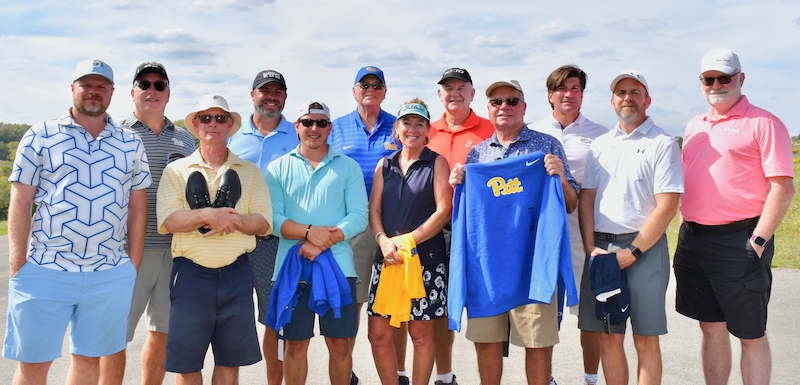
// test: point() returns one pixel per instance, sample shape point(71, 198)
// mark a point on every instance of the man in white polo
point(630, 194)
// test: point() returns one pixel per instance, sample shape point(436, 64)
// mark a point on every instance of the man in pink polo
point(738, 186)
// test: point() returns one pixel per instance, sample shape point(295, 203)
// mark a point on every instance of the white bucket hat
point(208, 102)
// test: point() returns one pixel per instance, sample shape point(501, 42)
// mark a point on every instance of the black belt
point(698, 229)
point(265, 238)
point(614, 237)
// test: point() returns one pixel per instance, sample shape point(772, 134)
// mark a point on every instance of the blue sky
point(219, 46)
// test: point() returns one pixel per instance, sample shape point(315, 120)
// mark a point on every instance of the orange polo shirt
point(455, 145)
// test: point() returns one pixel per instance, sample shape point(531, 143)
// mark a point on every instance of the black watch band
point(635, 251)
point(761, 242)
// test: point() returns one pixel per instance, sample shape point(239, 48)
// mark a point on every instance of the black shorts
point(301, 327)
point(721, 279)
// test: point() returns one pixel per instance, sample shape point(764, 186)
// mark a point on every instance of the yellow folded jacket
point(400, 283)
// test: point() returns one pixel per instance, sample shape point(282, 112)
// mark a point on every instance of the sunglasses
point(375, 86)
point(321, 123)
point(206, 119)
point(499, 102)
point(708, 81)
point(160, 85)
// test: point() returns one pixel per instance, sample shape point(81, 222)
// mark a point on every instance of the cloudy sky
point(218, 46)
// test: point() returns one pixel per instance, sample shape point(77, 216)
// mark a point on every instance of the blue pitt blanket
point(329, 287)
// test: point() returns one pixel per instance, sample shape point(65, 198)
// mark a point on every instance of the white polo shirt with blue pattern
point(84, 184)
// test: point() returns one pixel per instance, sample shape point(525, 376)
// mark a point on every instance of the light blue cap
point(93, 67)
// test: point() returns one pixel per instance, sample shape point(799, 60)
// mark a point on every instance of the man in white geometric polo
point(88, 177)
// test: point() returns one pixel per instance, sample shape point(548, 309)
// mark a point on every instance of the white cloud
point(559, 31)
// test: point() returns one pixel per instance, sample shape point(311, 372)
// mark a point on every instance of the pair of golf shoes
point(228, 193)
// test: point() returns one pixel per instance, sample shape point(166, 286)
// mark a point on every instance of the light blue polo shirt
point(350, 137)
point(333, 194)
point(250, 144)
point(83, 188)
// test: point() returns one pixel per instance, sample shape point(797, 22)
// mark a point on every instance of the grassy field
point(787, 239)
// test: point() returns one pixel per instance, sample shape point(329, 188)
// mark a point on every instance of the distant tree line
point(10, 134)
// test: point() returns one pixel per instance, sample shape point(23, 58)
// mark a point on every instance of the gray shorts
point(647, 280)
point(151, 292)
point(262, 261)
point(364, 249)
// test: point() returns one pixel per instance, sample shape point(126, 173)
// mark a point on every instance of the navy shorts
point(301, 327)
point(211, 306)
point(721, 279)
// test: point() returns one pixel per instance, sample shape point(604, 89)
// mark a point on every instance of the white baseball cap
point(722, 60)
point(630, 74)
point(309, 108)
point(93, 67)
point(208, 102)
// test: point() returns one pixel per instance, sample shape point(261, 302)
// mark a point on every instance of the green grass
point(3, 227)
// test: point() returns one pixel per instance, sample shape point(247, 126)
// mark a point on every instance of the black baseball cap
point(150, 66)
point(458, 73)
point(268, 76)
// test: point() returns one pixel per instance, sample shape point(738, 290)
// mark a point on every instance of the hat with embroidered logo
point(630, 74)
point(93, 67)
point(313, 107)
point(150, 66)
point(413, 109)
point(458, 73)
point(370, 70)
point(268, 76)
point(206, 103)
point(722, 60)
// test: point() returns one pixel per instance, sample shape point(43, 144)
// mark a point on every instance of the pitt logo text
point(501, 187)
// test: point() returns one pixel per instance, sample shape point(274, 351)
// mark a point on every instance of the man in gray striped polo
point(163, 143)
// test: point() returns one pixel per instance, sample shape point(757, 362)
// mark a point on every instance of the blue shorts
point(301, 327)
point(42, 302)
point(211, 306)
point(262, 261)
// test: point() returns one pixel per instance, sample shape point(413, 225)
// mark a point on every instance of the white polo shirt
point(576, 139)
point(628, 171)
point(83, 188)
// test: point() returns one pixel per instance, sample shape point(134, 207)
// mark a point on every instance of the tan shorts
point(532, 326)
point(364, 249)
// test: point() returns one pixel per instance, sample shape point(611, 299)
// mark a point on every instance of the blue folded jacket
point(329, 287)
point(610, 286)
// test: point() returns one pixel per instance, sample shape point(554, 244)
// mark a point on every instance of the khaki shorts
point(364, 249)
point(532, 326)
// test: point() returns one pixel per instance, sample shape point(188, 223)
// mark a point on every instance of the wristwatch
point(635, 251)
point(761, 242)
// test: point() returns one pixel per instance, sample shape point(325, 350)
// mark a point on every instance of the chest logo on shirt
point(177, 142)
point(502, 187)
point(640, 151)
point(468, 144)
point(390, 146)
point(346, 147)
point(730, 129)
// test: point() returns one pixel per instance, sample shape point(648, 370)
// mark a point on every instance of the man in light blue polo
point(266, 136)
point(88, 177)
point(319, 199)
point(366, 136)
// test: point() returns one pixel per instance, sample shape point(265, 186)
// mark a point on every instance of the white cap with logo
point(722, 60)
point(93, 67)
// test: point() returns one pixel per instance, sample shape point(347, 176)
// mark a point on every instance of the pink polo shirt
point(727, 162)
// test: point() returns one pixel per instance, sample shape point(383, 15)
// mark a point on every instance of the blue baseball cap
point(370, 70)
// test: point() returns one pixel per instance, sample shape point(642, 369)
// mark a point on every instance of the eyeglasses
point(708, 81)
point(499, 102)
point(321, 123)
point(160, 85)
point(375, 86)
point(206, 119)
